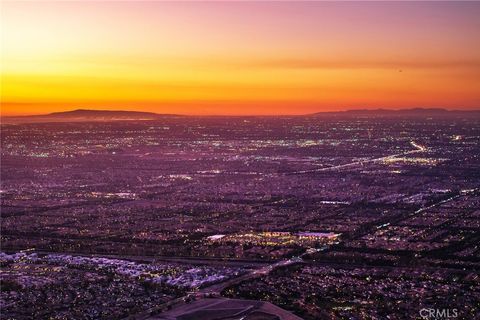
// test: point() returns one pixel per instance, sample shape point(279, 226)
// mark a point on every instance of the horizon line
point(13, 115)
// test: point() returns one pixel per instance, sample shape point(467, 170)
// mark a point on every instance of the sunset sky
point(238, 57)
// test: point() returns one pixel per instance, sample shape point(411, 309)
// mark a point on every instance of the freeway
point(219, 287)
point(418, 148)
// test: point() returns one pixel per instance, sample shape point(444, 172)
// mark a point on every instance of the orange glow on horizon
point(238, 58)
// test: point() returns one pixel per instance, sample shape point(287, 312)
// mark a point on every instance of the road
point(418, 148)
point(219, 287)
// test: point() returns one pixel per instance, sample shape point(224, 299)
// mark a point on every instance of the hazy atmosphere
point(240, 57)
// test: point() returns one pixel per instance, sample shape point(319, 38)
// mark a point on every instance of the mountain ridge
point(94, 112)
point(399, 111)
point(85, 115)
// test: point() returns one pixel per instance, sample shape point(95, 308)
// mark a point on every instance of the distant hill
point(101, 113)
point(85, 115)
point(414, 112)
point(390, 111)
